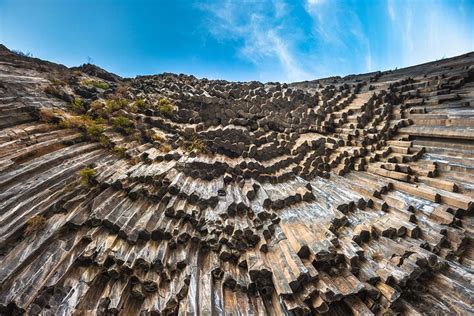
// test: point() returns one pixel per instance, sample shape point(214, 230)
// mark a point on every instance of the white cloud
point(429, 33)
point(342, 37)
point(314, 2)
point(280, 8)
point(265, 38)
point(368, 62)
point(390, 10)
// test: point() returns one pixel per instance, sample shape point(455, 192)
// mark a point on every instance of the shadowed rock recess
point(169, 194)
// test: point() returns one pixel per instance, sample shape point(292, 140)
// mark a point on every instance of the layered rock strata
point(169, 194)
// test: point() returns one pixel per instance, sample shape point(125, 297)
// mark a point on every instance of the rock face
point(174, 195)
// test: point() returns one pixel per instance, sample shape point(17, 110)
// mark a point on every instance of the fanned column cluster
point(170, 194)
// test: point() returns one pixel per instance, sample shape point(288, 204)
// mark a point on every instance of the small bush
point(97, 105)
point(132, 108)
point(164, 101)
point(147, 135)
point(96, 83)
point(99, 108)
point(197, 145)
point(58, 82)
point(165, 106)
point(87, 175)
point(137, 136)
point(65, 123)
point(34, 224)
point(157, 137)
point(116, 104)
point(140, 103)
point(100, 120)
point(77, 73)
point(57, 92)
point(121, 91)
point(165, 109)
point(94, 130)
point(165, 148)
point(78, 106)
point(120, 151)
point(105, 141)
point(46, 115)
point(52, 90)
point(75, 121)
point(122, 124)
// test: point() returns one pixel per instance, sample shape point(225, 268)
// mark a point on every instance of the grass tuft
point(140, 103)
point(46, 115)
point(78, 106)
point(94, 130)
point(87, 175)
point(34, 224)
point(116, 104)
point(52, 90)
point(165, 106)
point(197, 145)
point(165, 148)
point(95, 83)
point(122, 124)
point(120, 151)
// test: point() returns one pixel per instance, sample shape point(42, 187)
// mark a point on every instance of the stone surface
point(170, 194)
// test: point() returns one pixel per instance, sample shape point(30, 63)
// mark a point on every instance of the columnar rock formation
point(169, 194)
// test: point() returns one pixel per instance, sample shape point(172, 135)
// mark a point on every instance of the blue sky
point(266, 40)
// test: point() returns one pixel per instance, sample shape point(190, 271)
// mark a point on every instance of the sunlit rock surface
point(174, 195)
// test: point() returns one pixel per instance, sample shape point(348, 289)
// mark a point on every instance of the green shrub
point(137, 136)
point(97, 105)
point(96, 83)
point(99, 108)
point(105, 141)
point(164, 101)
point(140, 103)
point(197, 144)
point(87, 175)
point(116, 104)
point(94, 130)
point(78, 106)
point(165, 109)
point(122, 124)
point(132, 108)
point(75, 121)
point(100, 120)
point(165, 106)
point(120, 151)
point(136, 105)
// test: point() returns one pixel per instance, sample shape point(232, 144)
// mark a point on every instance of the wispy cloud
point(339, 35)
point(402, 33)
point(266, 39)
point(390, 10)
point(429, 33)
point(368, 62)
point(293, 41)
point(312, 3)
